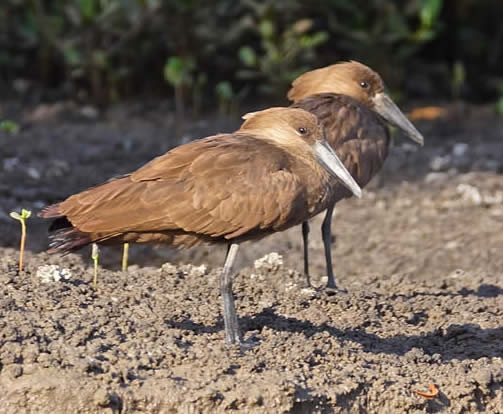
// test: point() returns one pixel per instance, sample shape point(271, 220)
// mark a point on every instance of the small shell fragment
point(428, 395)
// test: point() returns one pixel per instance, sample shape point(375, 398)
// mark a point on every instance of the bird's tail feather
point(51, 211)
point(64, 238)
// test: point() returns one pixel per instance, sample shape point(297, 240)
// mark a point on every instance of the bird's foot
point(244, 345)
point(330, 289)
point(333, 291)
point(233, 336)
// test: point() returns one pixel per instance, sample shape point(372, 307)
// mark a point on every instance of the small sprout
point(95, 252)
point(428, 395)
point(125, 256)
point(25, 215)
point(10, 127)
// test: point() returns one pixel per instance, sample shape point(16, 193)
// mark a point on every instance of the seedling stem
point(125, 256)
point(95, 256)
point(25, 214)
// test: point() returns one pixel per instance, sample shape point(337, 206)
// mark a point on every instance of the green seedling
point(25, 215)
point(95, 253)
point(125, 256)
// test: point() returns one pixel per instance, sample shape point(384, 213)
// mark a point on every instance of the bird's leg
point(305, 238)
point(326, 231)
point(232, 333)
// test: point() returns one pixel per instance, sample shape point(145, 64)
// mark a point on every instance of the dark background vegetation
point(226, 50)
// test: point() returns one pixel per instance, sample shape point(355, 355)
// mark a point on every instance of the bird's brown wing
point(222, 186)
point(358, 136)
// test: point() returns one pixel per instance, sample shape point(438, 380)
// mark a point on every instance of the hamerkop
point(271, 174)
point(349, 100)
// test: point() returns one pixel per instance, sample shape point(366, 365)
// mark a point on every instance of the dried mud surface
point(420, 256)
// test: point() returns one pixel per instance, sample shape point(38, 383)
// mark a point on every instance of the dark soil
point(420, 256)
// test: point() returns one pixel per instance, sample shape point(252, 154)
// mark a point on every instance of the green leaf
point(88, 8)
point(15, 215)
point(25, 214)
point(177, 70)
point(224, 90)
point(310, 41)
point(429, 12)
point(499, 106)
point(248, 56)
point(423, 35)
point(173, 70)
point(9, 126)
point(72, 56)
point(266, 28)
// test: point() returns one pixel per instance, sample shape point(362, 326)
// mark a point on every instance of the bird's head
point(298, 132)
point(360, 83)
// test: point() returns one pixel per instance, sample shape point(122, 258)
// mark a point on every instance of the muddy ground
point(420, 256)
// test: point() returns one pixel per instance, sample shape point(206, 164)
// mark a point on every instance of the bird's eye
point(364, 85)
point(302, 131)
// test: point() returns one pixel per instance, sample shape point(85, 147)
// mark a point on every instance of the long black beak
point(385, 107)
point(330, 161)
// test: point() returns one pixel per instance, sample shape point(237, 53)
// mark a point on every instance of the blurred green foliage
point(10, 127)
point(178, 73)
point(105, 50)
point(499, 103)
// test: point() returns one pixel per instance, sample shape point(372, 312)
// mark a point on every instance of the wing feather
point(222, 187)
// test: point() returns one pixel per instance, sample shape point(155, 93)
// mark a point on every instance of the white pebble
point(53, 273)
point(271, 261)
point(469, 193)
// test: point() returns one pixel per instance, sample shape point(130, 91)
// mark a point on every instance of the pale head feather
point(343, 78)
point(283, 125)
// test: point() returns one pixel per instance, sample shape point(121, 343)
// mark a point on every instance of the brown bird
point(349, 100)
point(271, 174)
